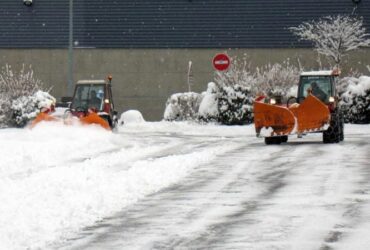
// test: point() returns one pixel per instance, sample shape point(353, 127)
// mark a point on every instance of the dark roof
point(164, 24)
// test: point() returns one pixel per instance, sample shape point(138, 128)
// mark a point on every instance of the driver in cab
point(95, 101)
point(317, 91)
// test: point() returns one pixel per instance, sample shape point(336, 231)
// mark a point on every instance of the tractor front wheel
point(275, 140)
point(333, 133)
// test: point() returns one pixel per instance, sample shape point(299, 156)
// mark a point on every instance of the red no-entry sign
point(221, 62)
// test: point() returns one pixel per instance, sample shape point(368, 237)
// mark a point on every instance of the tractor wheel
point(284, 138)
point(341, 123)
point(332, 134)
point(272, 140)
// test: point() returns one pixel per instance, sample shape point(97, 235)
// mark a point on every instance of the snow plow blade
point(309, 116)
point(42, 117)
point(94, 118)
point(312, 115)
point(267, 116)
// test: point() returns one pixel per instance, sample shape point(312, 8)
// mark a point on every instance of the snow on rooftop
point(317, 73)
point(91, 82)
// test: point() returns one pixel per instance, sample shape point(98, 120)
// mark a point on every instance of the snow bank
point(56, 179)
point(208, 109)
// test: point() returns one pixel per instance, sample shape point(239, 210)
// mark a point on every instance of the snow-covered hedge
point(20, 97)
point(235, 105)
point(182, 106)
point(25, 108)
point(355, 100)
point(240, 84)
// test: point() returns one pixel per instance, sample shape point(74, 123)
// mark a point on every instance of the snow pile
point(58, 179)
point(356, 100)
point(182, 106)
point(131, 116)
point(208, 110)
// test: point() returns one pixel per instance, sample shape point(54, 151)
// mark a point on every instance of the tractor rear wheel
point(273, 140)
point(333, 133)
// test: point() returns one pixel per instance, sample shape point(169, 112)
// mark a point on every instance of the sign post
point(221, 62)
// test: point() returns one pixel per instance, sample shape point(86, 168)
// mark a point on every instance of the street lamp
point(27, 2)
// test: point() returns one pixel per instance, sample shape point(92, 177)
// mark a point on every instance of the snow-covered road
point(175, 185)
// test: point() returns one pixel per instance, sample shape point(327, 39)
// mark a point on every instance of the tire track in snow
point(354, 203)
point(191, 145)
point(213, 193)
point(292, 198)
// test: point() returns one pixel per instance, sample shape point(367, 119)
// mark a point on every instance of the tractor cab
point(321, 84)
point(96, 96)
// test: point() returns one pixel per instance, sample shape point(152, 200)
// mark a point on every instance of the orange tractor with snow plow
point(92, 103)
point(315, 110)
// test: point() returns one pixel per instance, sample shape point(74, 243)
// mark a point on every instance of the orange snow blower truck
point(315, 110)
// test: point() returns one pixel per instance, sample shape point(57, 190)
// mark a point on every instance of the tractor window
point(319, 85)
point(87, 96)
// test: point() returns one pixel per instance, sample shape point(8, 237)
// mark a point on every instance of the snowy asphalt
point(299, 195)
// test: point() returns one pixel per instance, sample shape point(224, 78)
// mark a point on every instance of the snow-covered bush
point(235, 105)
point(20, 96)
point(208, 108)
point(182, 106)
point(26, 108)
point(355, 101)
point(239, 86)
point(236, 90)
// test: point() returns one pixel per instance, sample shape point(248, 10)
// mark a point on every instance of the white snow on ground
point(56, 180)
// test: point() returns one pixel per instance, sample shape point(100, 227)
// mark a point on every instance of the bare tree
point(334, 36)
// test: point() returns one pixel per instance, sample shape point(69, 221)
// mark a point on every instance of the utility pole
point(70, 50)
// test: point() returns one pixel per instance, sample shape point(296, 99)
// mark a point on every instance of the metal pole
point(70, 50)
point(190, 75)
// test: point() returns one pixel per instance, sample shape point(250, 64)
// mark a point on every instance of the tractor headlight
point(272, 101)
point(331, 99)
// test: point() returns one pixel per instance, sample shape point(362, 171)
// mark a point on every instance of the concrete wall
point(143, 79)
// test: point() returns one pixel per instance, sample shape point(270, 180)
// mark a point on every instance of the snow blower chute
point(316, 110)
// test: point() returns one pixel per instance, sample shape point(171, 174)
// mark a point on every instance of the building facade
point(147, 45)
